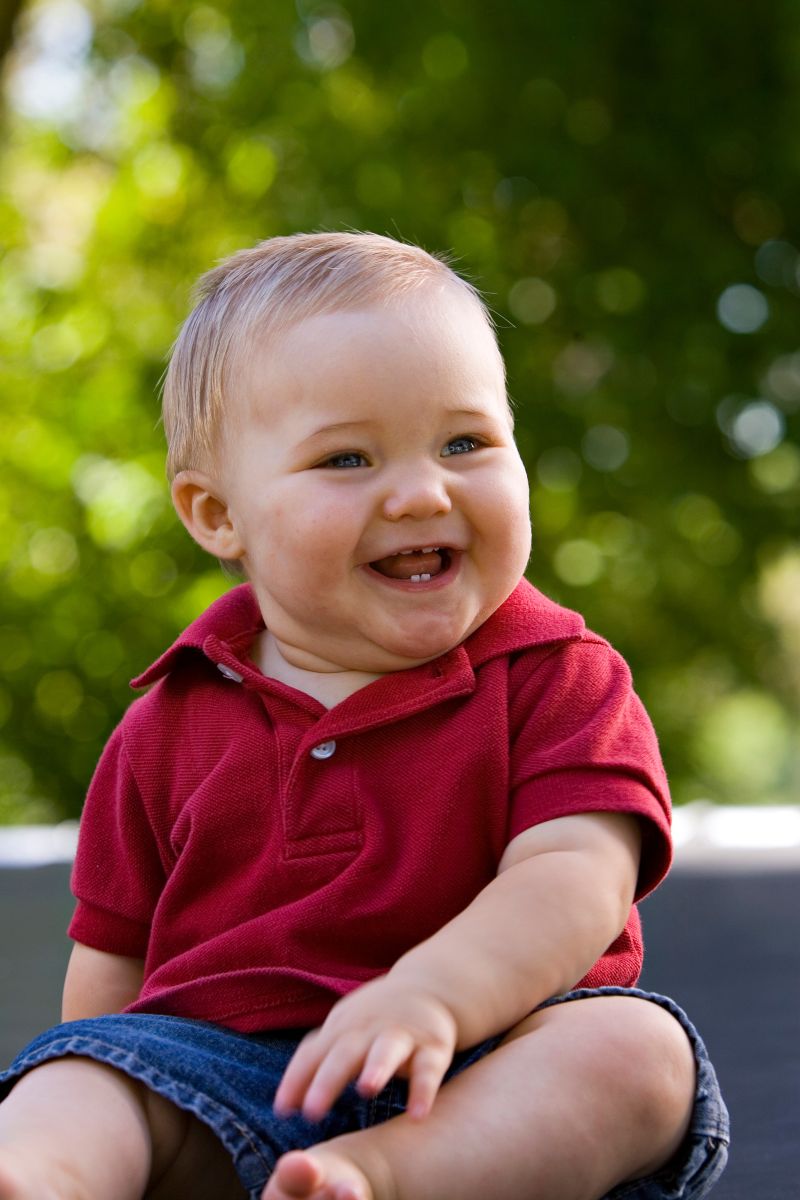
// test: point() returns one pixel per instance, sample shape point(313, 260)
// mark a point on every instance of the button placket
point(322, 808)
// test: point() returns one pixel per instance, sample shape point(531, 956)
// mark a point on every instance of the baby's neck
point(328, 687)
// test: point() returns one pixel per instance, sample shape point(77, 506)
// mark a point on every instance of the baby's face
point(370, 473)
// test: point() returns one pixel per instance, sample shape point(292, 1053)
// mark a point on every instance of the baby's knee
point(659, 1047)
point(632, 1052)
point(654, 1062)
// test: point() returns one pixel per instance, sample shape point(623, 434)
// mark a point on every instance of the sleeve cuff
point(102, 930)
point(571, 793)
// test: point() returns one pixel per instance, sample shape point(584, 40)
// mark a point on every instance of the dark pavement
point(726, 946)
point(723, 943)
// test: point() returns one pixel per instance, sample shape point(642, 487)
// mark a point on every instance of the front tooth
point(429, 549)
point(406, 551)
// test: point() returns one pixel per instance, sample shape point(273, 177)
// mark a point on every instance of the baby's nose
point(418, 493)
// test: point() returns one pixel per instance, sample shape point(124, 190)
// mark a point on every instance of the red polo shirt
point(265, 855)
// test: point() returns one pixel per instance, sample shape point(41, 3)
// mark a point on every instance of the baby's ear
point(205, 514)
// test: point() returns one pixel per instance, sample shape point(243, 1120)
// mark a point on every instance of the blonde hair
point(277, 283)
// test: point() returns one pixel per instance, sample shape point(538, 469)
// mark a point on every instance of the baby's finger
point(341, 1064)
point(301, 1070)
point(428, 1069)
point(387, 1054)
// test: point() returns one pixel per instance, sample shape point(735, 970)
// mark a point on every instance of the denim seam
point(372, 1111)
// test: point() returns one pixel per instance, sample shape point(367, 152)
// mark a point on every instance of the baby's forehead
point(442, 305)
point(403, 328)
point(351, 357)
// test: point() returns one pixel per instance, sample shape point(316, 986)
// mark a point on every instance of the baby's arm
point(562, 894)
point(98, 983)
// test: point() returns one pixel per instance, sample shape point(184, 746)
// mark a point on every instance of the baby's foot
point(318, 1174)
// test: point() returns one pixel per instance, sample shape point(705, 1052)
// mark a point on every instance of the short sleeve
point(582, 742)
point(118, 875)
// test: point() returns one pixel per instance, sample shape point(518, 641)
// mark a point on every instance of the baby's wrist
point(435, 991)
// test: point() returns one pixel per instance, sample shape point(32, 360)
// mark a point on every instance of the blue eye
point(460, 445)
point(348, 459)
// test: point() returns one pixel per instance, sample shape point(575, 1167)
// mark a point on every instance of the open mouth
point(414, 566)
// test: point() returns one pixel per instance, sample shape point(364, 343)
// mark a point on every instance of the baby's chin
point(401, 648)
point(402, 655)
point(381, 648)
point(364, 660)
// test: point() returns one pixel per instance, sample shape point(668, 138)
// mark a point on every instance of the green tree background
point(622, 181)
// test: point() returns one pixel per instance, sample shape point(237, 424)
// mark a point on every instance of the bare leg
point(74, 1129)
point(578, 1098)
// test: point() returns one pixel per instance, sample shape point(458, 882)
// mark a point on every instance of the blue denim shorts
point(228, 1080)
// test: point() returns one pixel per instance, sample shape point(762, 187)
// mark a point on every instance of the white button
point(229, 672)
point(324, 750)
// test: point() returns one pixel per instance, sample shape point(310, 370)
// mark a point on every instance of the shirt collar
point(526, 619)
point(234, 620)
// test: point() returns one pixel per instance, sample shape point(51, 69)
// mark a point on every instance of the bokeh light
point(742, 308)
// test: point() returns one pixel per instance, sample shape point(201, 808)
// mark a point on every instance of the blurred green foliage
point(623, 182)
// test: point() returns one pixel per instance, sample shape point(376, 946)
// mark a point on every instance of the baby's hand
point(384, 1027)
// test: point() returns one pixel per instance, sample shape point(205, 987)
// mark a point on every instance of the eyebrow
point(335, 428)
point(350, 426)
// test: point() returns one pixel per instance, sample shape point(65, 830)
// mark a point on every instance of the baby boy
point(384, 791)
